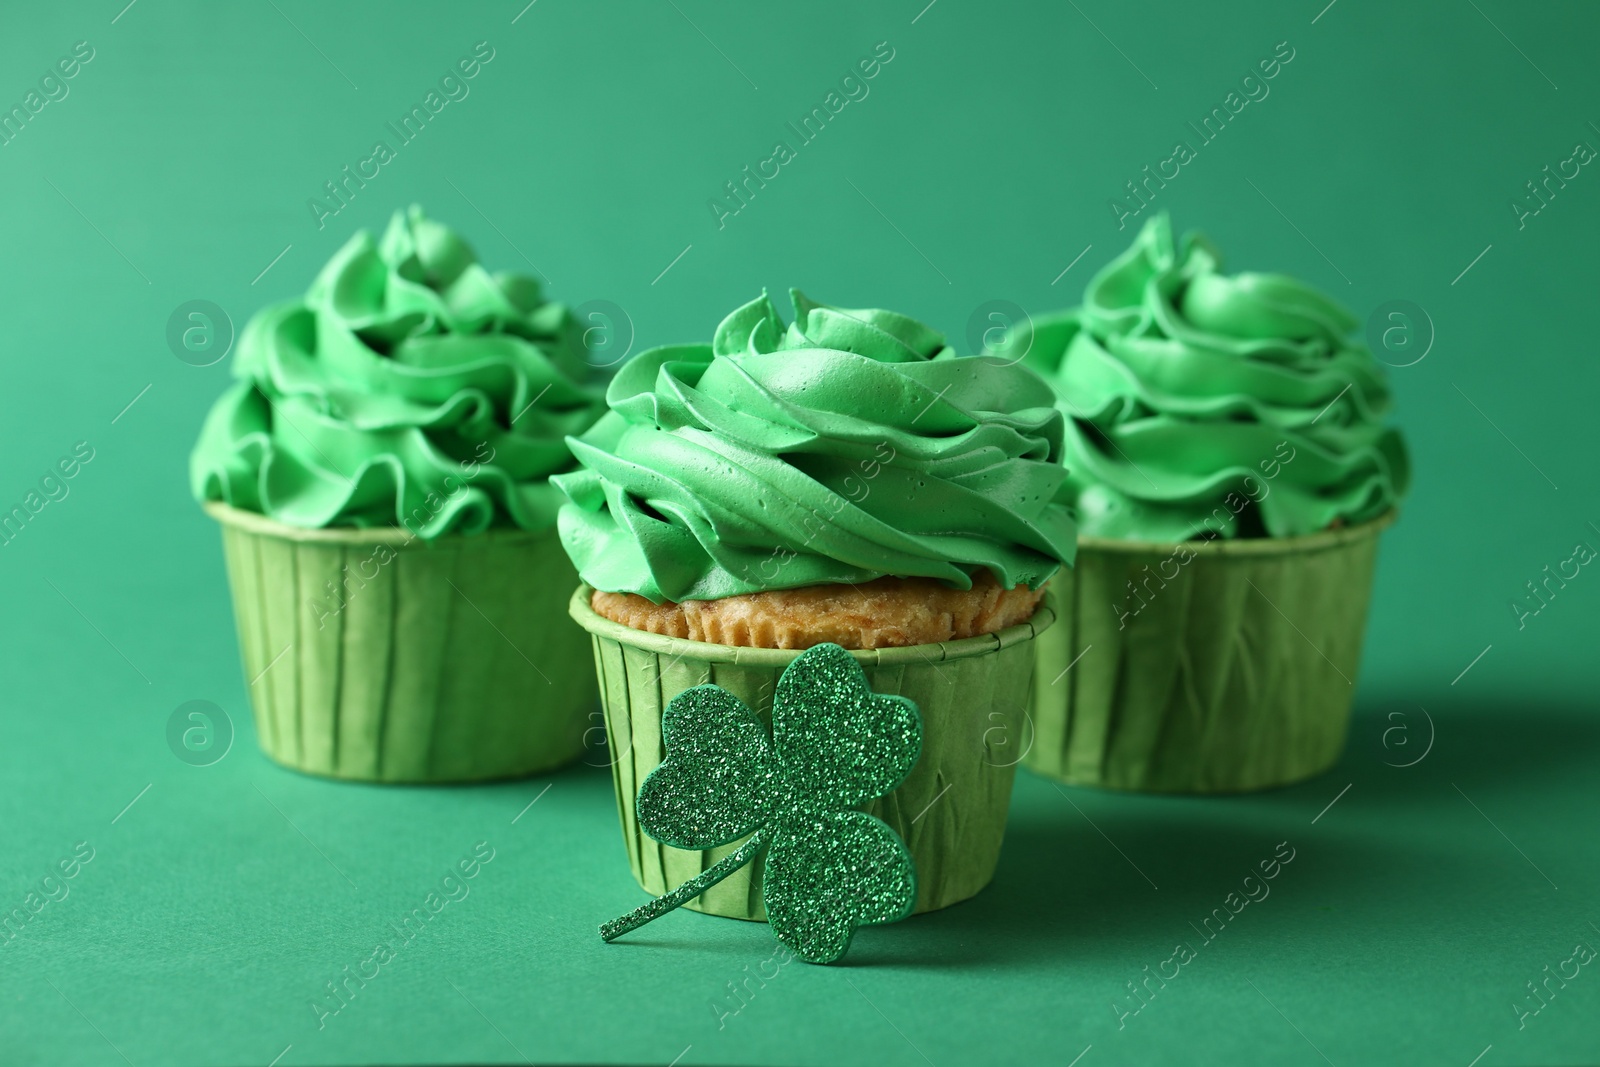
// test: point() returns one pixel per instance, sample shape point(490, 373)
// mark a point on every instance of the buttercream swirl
point(1205, 404)
point(850, 445)
point(409, 387)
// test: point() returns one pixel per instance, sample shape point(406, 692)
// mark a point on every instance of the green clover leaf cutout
point(835, 745)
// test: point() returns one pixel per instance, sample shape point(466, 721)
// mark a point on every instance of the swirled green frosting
point(409, 387)
point(844, 447)
point(1202, 404)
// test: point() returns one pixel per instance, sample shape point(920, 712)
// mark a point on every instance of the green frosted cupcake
point(847, 479)
point(381, 472)
point(1230, 471)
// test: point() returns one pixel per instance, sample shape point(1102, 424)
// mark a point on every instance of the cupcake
point(381, 471)
point(1230, 472)
point(843, 479)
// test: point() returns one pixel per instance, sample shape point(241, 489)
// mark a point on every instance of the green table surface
point(218, 904)
point(1383, 165)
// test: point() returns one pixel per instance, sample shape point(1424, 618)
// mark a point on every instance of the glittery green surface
point(834, 745)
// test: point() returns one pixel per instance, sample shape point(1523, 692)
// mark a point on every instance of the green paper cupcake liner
point(950, 811)
point(374, 656)
point(1228, 671)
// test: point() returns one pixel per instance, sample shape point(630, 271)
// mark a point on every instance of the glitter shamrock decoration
point(834, 746)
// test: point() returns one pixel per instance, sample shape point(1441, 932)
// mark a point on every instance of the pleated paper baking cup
point(950, 811)
point(375, 656)
point(1215, 667)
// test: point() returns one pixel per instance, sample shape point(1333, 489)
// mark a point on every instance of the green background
point(1381, 166)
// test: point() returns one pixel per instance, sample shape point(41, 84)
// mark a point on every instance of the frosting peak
point(408, 387)
point(1200, 401)
point(845, 446)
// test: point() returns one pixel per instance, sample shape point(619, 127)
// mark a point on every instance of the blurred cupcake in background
point(1230, 471)
point(845, 478)
point(381, 473)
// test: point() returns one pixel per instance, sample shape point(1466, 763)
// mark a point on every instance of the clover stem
point(685, 892)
